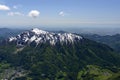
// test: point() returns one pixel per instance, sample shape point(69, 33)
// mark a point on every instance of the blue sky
point(97, 13)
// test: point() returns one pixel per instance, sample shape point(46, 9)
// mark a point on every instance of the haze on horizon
point(60, 13)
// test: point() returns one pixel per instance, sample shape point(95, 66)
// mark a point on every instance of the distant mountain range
point(6, 32)
point(42, 55)
point(112, 40)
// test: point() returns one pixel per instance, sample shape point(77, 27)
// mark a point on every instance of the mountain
point(39, 36)
point(6, 32)
point(44, 55)
point(112, 40)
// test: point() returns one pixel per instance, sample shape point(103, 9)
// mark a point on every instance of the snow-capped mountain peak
point(40, 36)
point(38, 31)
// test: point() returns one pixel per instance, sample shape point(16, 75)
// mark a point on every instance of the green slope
point(112, 40)
point(62, 61)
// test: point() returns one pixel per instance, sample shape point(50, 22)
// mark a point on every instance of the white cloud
point(34, 13)
point(61, 13)
point(4, 7)
point(15, 14)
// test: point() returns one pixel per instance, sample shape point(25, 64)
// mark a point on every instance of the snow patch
point(40, 36)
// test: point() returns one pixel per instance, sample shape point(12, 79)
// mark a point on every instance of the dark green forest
point(83, 60)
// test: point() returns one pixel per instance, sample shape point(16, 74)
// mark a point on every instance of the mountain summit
point(40, 36)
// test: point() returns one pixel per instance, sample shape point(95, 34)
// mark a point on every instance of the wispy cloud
point(15, 14)
point(34, 13)
point(4, 7)
point(62, 13)
point(15, 7)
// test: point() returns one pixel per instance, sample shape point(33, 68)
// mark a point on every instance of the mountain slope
point(61, 61)
point(113, 41)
